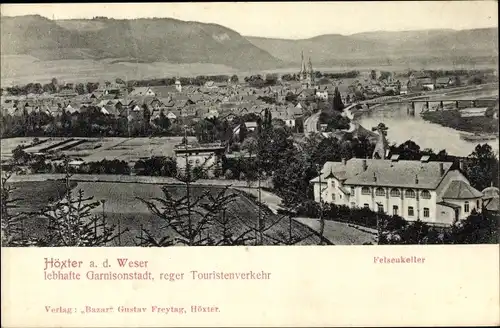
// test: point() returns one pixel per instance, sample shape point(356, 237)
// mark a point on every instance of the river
point(403, 127)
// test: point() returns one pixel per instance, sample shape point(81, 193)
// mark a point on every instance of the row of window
point(395, 210)
point(409, 193)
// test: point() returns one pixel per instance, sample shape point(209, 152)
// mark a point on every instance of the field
point(34, 195)
point(8, 145)
point(97, 149)
point(341, 233)
point(123, 208)
point(23, 69)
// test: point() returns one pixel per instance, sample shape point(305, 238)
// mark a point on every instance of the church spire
point(302, 65)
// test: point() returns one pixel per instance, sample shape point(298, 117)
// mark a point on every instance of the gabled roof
point(461, 190)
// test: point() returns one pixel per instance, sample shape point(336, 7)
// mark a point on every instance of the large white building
point(434, 192)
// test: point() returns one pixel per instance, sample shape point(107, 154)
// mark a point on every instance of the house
point(251, 126)
point(212, 113)
point(434, 192)
point(473, 112)
point(171, 116)
point(142, 92)
point(403, 90)
point(426, 83)
point(444, 82)
point(322, 94)
point(207, 156)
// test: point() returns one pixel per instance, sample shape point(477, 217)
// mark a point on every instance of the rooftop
point(461, 190)
point(402, 173)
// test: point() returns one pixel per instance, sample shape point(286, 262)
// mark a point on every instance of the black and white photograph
point(225, 124)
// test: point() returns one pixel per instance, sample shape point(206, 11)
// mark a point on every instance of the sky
point(289, 20)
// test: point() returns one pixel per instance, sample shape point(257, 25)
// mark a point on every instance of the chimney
point(416, 178)
point(344, 161)
point(441, 169)
point(365, 165)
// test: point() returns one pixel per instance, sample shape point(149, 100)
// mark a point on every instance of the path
point(134, 179)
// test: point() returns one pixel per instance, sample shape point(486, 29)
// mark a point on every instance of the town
point(305, 157)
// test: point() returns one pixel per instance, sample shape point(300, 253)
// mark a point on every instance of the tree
point(234, 79)
point(80, 88)
point(12, 223)
point(189, 219)
point(243, 132)
point(482, 167)
point(408, 150)
point(337, 105)
point(162, 121)
point(146, 117)
point(55, 84)
point(91, 87)
point(478, 228)
point(250, 145)
point(71, 222)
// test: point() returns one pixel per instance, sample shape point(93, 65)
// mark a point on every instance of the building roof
point(140, 91)
point(454, 206)
point(387, 173)
point(461, 190)
point(490, 192)
point(492, 204)
point(425, 80)
point(442, 80)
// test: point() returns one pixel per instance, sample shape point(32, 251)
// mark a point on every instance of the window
point(197, 161)
point(333, 197)
point(380, 208)
point(410, 193)
point(365, 205)
point(466, 207)
point(333, 183)
point(426, 212)
point(410, 211)
point(478, 204)
point(353, 191)
point(380, 192)
point(425, 194)
point(365, 191)
point(395, 210)
point(190, 161)
point(395, 193)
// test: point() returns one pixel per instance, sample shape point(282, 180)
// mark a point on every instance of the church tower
point(178, 85)
point(310, 72)
point(303, 69)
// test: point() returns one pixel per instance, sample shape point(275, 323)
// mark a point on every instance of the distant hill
point(164, 39)
point(460, 47)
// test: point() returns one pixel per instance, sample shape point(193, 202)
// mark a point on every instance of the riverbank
point(452, 119)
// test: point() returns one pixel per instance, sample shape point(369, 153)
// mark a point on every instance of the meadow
point(123, 208)
point(23, 69)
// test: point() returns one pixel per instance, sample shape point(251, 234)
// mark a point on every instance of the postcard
point(347, 151)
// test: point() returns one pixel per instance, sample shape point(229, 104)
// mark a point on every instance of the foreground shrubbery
point(478, 228)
